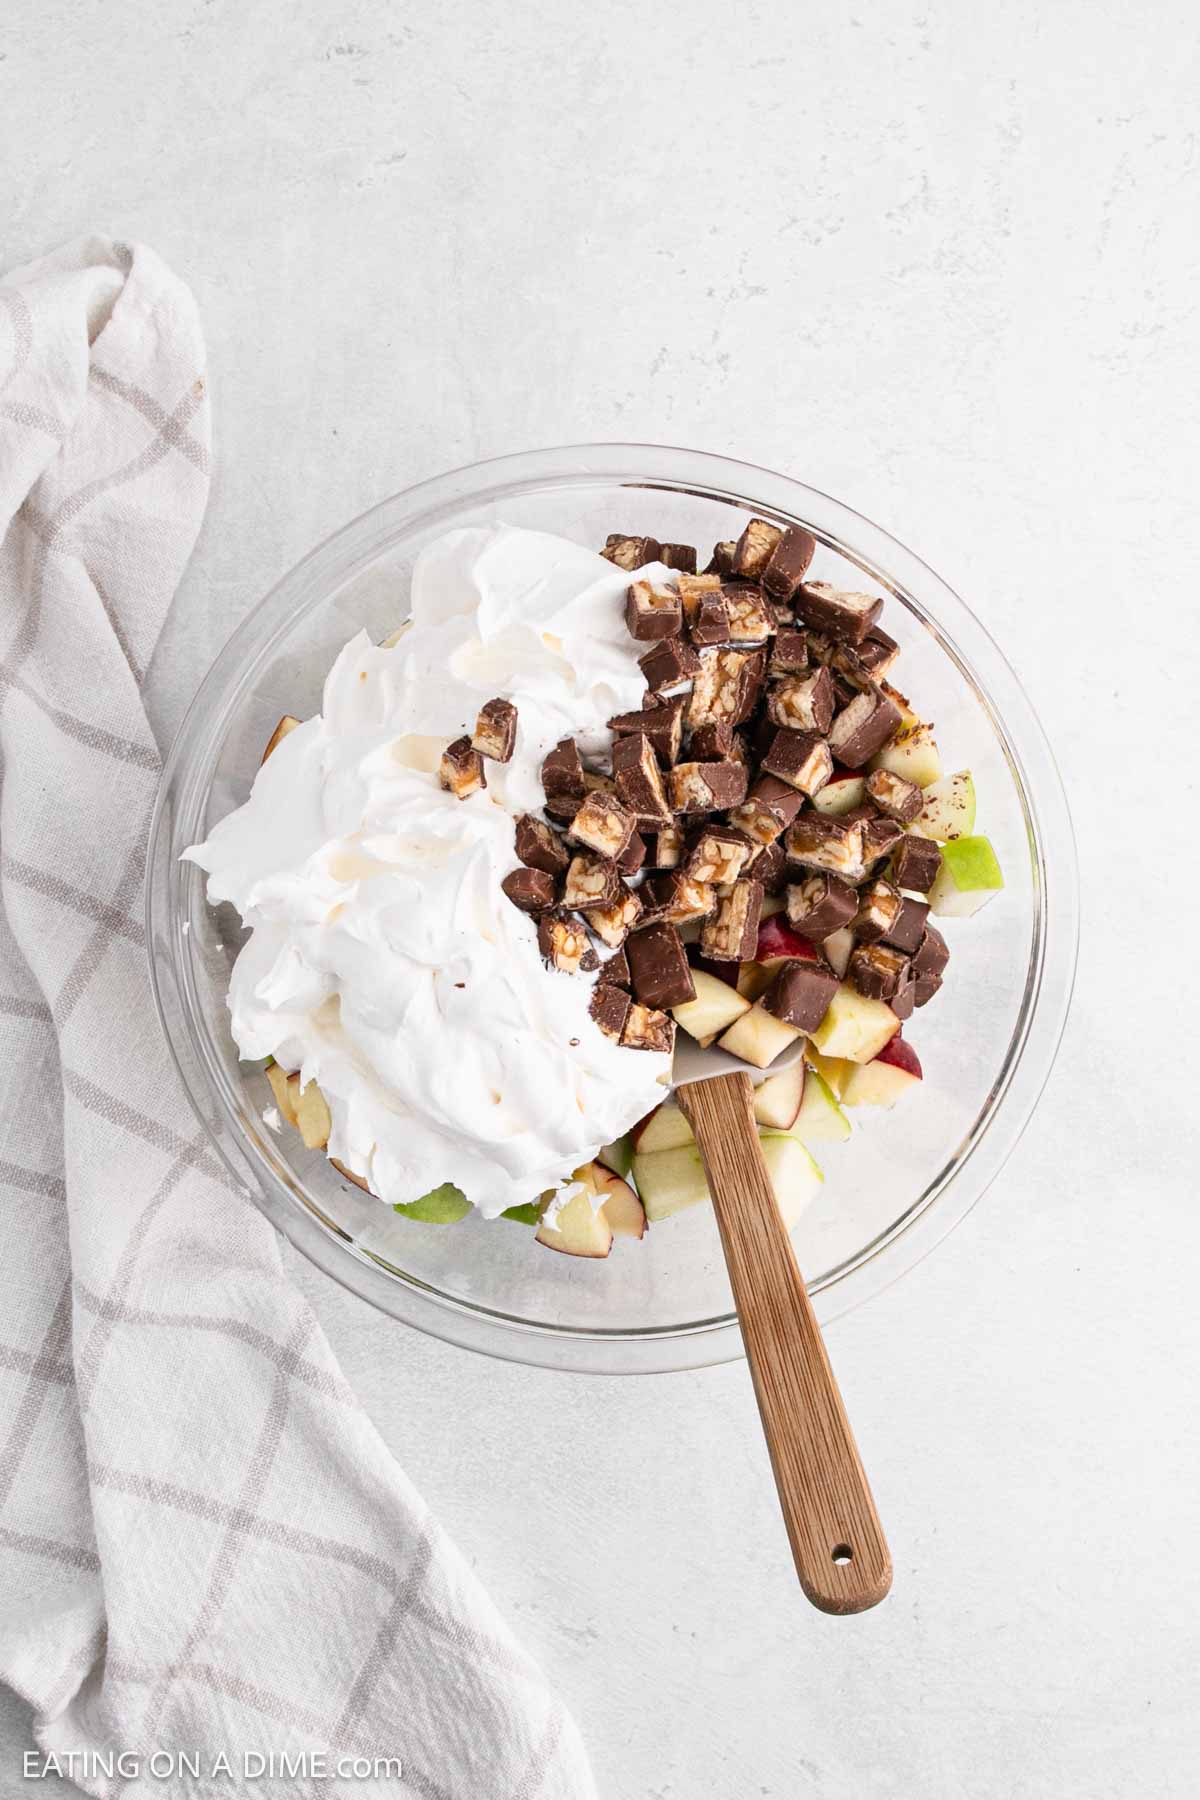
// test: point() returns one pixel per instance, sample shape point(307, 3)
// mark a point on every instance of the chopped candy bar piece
point(722, 558)
point(562, 771)
point(662, 724)
point(603, 824)
point(841, 615)
point(908, 927)
point(596, 783)
point(863, 728)
point(723, 688)
point(768, 809)
point(670, 664)
point(768, 866)
point(610, 1009)
point(819, 842)
point(710, 623)
point(900, 799)
point(652, 612)
point(664, 847)
point(693, 588)
point(630, 552)
point(613, 923)
point(647, 1029)
point(712, 743)
point(678, 556)
point(718, 855)
point(789, 652)
point(563, 942)
point(496, 730)
point(563, 807)
point(820, 905)
point(877, 913)
point(878, 971)
point(591, 881)
point(675, 897)
point(788, 562)
point(532, 890)
point(878, 652)
point(614, 970)
point(755, 548)
point(880, 837)
point(905, 996)
point(461, 769)
point(731, 935)
point(800, 994)
point(916, 863)
point(540, 848)
point(933, 955)
point(633, 856)
point(925, 988)
point(707, 787)
point(801, 759)
point(659, 966)
point(749, 620)
point(802, 702)
point(639, 780)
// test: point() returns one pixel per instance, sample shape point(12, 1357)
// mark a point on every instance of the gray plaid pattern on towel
point(204, 1545)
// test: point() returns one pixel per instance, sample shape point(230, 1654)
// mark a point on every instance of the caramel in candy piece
point(754, 549)
point(652, 612)
point(496, 730)
point(461, 769)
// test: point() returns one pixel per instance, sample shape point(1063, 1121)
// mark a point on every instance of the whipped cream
point(384, 962)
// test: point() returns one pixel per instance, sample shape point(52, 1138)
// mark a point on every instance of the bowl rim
point(1029, 1056)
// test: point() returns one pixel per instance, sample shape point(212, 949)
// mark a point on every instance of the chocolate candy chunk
point(648, 1029)
point(905, 996)
point(710, 623)
point(749, 620)
point(707, 787)
point(878, 971)
point(900, 799)
point(768, 866)
point(718, 855)
point(692, 590)
point(800, 994)
point(591, 881)
point(662, 724)
point(678, 556)
point(610, 1009)
point(533, 890)
point(724, 688)
point(659, 966)
point(843, 616)
point(712, 743)
point(820, 905)
point(538, 847)
point(755, 548)
point(863, 728)
point(563, 807)
point(789, 652)
point(799, 758)
point(721, 562)
point(652, 612)
point(933, 954)
point(594, 782)
point(639, 780)
point(614, 970)
point(496, 730)
point(788, 562)
point(664, 847)
point(461, 769)
point(603, 825)
point(676, 898)
point(880, 837)
point(671, 664)
point(878, 652)
point(877, 912)
point(633, 857)
point(768, 809)
point(613, 923)
point(563, 942)
point(731, 935)
point(562, 771)
point(802, 702)
point(630, 552)
point(925, 988)
point(817, 842)
point(908, 927)
point(916, 863)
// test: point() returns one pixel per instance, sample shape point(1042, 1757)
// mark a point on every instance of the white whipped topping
point(385, 963)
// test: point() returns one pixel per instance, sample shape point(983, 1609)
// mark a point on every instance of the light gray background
point(940, 260)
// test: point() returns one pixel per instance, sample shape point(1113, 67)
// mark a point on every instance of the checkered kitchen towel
point(204, 1546)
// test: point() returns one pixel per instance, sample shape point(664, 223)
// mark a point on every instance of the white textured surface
point(941, 261)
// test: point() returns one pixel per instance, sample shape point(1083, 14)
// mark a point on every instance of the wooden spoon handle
point(840, 1551)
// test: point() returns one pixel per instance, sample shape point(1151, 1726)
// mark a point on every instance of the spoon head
point(691, 1063)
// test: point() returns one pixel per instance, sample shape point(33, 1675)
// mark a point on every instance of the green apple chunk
point(841, 795)
point(663, 1129)
point(671, 1180)
point(758, 1037)
point(795, 1178)
point(715, 1006)
point(855, 1028)
point(949, 809)
point(617, 1156)
point(440, 1206)
point(967, 879)
point(913, 754)
point(820, 1119)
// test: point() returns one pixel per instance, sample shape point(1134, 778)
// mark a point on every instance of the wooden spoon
point(840, 1552)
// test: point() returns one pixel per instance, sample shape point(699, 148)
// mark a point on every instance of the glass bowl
point(904, 1178)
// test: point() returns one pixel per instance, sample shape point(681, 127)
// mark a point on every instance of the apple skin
point(621, 1207)
point(581, 1228)
point(778, 1099)
point(780, 942)
point(900, 1053)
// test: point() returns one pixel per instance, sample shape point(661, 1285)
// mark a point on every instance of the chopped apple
point(350, 1175)
point(838, 950)
point(840, 795)
point(748, 978)
point(913, 754)
point(833, 1070)
point(820, 1119)
point(281, 1089)
point(715, 1006)
point(529, 1212)
point(312, 1113)
point(669, 1180)
point(882, 1081)
point(967, 879)
point(854, 1027)
point(778, 941)
point(758, 1037)
point(617, 1156)
point(777, 1099)
point(443, 1205)
point(773, 903)
point(949, 809)
point(620, 1205)
point(795, 1178)
point(285, 726)
point(908, 718)
point(579, 1228)
point(663, 1129)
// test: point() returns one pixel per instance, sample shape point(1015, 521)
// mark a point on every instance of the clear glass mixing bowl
point(903, 1180)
